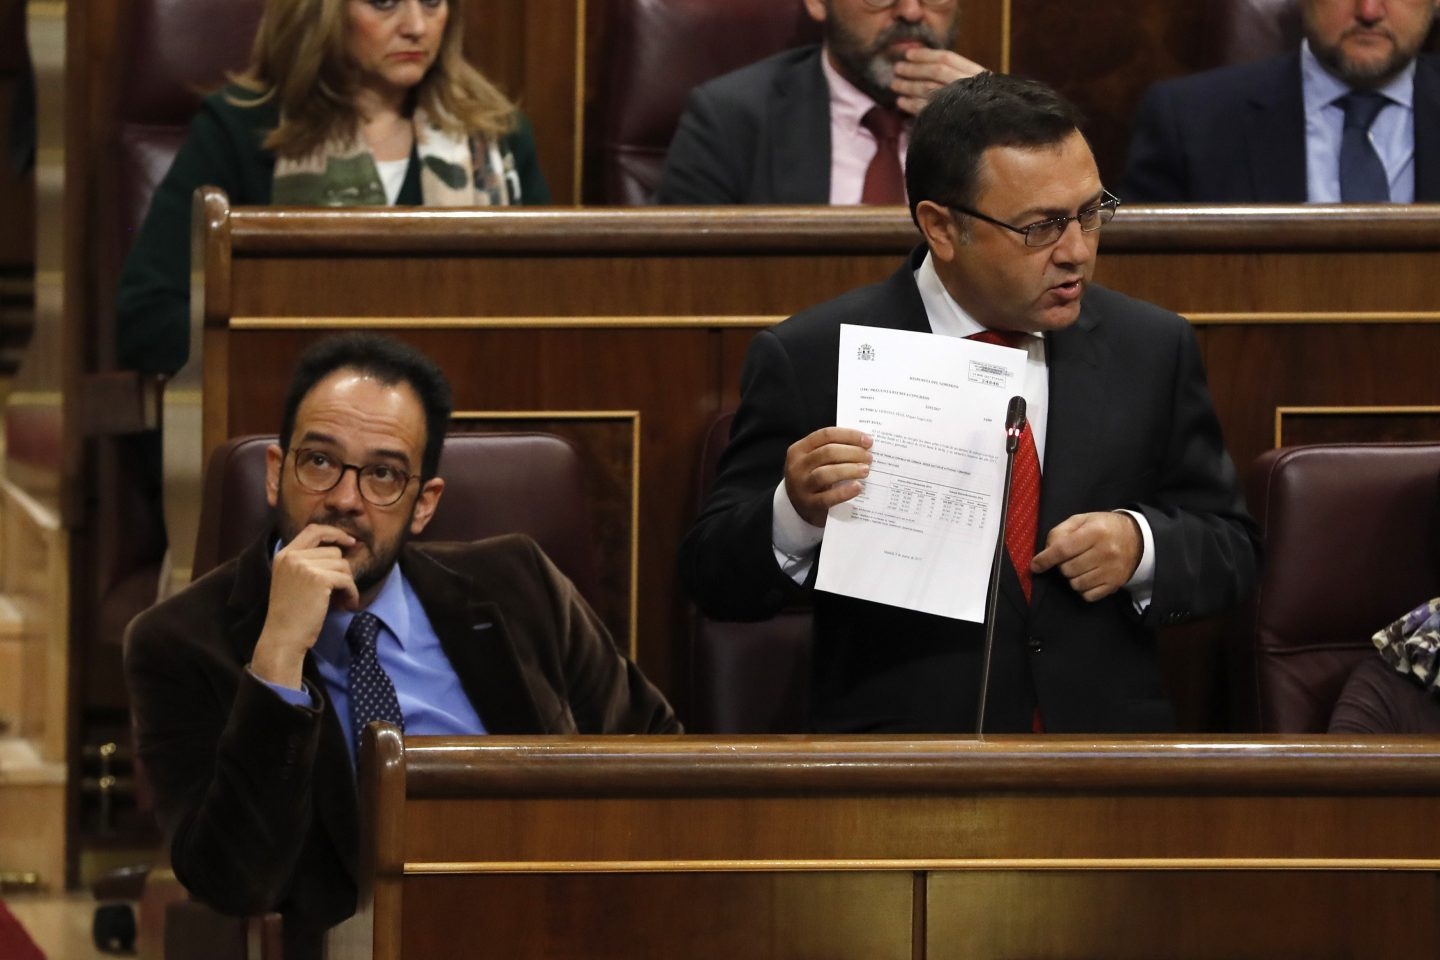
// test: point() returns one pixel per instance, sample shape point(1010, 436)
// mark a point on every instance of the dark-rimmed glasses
point(380, 484)
point(1046, 232)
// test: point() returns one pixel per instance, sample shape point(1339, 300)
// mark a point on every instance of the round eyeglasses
point(1046, 232)
point(380, 484)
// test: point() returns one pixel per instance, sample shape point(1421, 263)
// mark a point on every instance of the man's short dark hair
point(387, 360)
point(965, 118)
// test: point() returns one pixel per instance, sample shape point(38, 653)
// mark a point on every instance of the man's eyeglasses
point(887, 4)
point(1046, 232)
point(380, 483)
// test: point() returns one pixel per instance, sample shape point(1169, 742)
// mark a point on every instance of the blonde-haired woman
point(344, 103)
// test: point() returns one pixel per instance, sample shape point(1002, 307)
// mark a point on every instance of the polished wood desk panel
point(628, 327)
point(876, 847)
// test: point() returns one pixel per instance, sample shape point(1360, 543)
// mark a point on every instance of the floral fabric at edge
point(1412, 644)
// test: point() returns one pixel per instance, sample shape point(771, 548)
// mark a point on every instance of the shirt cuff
point(296, 698)
point(1142, 582)
point(794, 541)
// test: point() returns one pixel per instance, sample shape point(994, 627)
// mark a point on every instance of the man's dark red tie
point(1024, 514)
point(1023, 517)
point(884, 180)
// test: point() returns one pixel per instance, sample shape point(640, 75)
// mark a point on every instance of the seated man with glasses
point(819, 124)
point(1138, 521)
point(251, 687)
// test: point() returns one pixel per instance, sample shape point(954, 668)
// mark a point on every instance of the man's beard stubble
point(1363, 76)
point(869, 68)
point(382, 556)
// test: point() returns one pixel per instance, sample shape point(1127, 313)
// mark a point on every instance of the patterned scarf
point(454, 172)
point(1412, 644)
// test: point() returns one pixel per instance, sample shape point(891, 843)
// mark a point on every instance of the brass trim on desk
point(436, 868)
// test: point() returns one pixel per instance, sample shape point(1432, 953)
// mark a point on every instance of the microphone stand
point(1014, 427)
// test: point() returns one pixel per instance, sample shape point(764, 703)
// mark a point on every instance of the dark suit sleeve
point(1155, 169)
point(1206, 544)
point(604, 691)
point(534, 191)
point(707, 159)
point(232, 787)
point(727, 560)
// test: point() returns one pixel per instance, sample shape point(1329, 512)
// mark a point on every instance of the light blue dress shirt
point(431, 698)
point(1393, 133)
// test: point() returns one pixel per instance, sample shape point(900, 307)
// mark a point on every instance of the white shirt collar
point(947, 317)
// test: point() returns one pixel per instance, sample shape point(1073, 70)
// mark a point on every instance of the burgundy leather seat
point(1350, 545)
point(747, 677)
point(656, 51)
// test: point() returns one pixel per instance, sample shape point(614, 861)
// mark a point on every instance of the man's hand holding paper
point(824, 469)
point(920, 530)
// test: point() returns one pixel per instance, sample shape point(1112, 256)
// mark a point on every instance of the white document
point(922, 534)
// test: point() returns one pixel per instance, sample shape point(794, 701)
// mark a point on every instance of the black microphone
point(1014, 427)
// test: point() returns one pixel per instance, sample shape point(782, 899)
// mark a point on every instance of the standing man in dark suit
point(250, 688)
point(824, 124)
point(1354, 115)
point(1140, 520)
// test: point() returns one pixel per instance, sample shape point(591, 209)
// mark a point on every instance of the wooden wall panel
point(1104, 56)
point(1181, 915)
point(776, 848)
point(715, 916)
point(533, 52)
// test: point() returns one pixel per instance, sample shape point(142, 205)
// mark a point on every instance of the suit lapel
point(1274, 130)
point(1427, 129)
point(1073, 357)
point(476, 639)
point(798, 121)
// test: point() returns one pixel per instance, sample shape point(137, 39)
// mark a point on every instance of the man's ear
point(425, 504)
point(274, 459)
point(818, 11)
point(939, 226)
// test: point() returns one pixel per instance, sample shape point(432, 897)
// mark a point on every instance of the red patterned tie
point(884, 180)
point(1024, 514)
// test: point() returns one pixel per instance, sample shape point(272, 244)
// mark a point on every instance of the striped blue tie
point(1362, 175)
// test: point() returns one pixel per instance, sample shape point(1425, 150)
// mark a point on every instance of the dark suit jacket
point(257, 798)
point(1130, 425)
point(758, 135)
point(1237, 135)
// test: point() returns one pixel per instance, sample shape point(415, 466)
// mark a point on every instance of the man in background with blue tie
point(1353, 116)
point(251, 687)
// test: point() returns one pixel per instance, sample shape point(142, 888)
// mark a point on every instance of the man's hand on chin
point(307, 576)
point(923, 71)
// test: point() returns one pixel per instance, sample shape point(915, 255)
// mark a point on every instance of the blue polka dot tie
point(372, 695)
